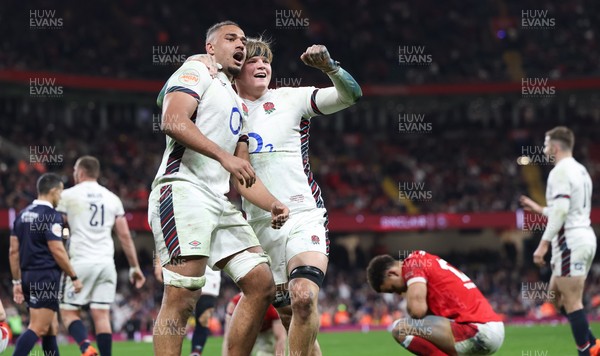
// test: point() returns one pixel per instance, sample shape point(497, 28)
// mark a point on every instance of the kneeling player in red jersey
point(449, 315)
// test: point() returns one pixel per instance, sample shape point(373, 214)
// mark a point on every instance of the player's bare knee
point(40, 329)
point(399, 333)
point(303, 296)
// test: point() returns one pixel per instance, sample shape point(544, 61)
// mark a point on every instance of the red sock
point(419, 346)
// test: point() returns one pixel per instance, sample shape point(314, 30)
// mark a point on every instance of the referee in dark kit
point(37, 256)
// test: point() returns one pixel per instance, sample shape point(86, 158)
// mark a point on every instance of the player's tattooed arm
point(347, 89)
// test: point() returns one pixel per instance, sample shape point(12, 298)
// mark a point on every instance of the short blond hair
point(564, 136)
point(259, 47)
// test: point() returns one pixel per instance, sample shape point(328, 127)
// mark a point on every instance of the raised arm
point(345, 91)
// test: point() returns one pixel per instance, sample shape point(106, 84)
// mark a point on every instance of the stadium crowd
point(352, 163)
point(506, 48)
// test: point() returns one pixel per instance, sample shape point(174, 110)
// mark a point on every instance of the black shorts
point(41, 288)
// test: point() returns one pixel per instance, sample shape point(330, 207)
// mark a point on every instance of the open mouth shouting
point(239, 58)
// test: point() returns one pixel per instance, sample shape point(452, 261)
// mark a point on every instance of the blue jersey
point(34, 227)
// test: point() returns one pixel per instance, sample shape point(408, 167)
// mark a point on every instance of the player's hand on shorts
point(18, 294)
point(209, 61)
point(539, 253)
point(318, 56)
point(279, 214)
point(77, 286)
point(528, 204)
point(240, 169)
point(136, 277)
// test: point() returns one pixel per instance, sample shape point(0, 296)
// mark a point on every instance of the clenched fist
point(317, 56)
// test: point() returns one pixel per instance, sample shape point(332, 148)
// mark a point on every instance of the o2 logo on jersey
point(235, 116)
point(260, 143)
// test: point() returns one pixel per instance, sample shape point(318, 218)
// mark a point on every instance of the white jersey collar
point(42, 202)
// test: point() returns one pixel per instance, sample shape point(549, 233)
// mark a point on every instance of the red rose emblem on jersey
point(315, 240)
point(269, 107)
point(245, 109)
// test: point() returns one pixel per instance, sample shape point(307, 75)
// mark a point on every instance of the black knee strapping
point(309, 272)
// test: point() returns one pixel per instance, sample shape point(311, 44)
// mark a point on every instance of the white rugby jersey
point(91, 211)
point(571, 180)
point(218, 117)
point(278, 135)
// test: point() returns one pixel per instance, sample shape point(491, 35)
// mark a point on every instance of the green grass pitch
point(520, 341)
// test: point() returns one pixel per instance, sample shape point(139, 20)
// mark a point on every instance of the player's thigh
point(437, 330)
point(273, 242)
point(231, 236)
point(308, 243)
point(572, 262)
point(88, 273)
point(571, 289)
point(41, 320)
point(309, 258)
point(54, 325)
point(478, 339)
point(555, 296)
point(182, 217)
point(104, 287)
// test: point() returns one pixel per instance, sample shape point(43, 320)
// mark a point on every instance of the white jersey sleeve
point(191, 78)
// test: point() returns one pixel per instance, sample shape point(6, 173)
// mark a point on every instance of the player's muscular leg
point(69, 316)
point(304, 295)
point(259, 290)
point(41, 320)
point(101, 319)
point(556, 297)
point(177, 305)
point(53, 330)
point(571, 289)
point(435, 329)
point(285, 314)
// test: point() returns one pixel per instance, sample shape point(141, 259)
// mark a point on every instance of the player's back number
point(97, 218)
